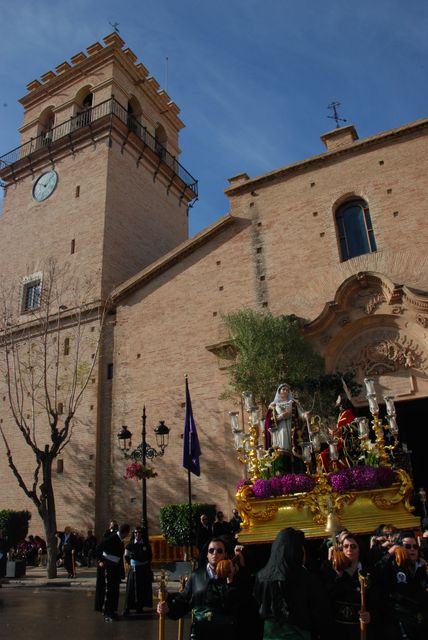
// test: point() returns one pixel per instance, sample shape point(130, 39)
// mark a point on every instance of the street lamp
point(142, 452)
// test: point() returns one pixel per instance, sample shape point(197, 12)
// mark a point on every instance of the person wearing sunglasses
point(403, 579)
point(196, 597)
point(342, 582)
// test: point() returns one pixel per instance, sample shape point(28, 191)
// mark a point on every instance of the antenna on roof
point(166, 73)
point(115, 26)
point(333, 106)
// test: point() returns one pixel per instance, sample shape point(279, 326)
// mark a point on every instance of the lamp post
point(142, 452)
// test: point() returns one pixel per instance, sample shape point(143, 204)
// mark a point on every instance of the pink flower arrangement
point(138, 471)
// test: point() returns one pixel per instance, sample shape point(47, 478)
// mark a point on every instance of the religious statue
point(284, 426)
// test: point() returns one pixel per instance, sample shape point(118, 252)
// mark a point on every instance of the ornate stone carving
point(383, 352)
point(369, 300)
point(422, 320)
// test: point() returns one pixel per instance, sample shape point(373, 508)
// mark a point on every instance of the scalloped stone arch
point(378, 328)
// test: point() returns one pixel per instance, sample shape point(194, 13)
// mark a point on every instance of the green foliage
point(272, 350)
point(174, 521)
point(15, 525)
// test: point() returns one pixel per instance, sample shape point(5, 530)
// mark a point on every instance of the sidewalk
point(85, 579)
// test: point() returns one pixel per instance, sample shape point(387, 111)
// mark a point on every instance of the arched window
point(46, 125)
point(355, 231)
point(84, 108)
point(134, 116)
point(160, 141)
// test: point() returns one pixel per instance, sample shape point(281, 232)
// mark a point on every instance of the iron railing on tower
point(87, 118)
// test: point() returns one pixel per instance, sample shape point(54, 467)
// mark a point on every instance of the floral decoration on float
point(369, 488)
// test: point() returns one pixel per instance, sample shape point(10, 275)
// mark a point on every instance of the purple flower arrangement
point(361, 477)
point(354, 479)
point(283, 485)
point(242, 483)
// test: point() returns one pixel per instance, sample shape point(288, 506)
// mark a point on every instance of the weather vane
point(115, 26)
point(333, 106)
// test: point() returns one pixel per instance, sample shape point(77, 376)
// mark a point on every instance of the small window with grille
point(31, 294)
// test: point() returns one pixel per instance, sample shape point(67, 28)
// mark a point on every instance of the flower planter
point(359, 511)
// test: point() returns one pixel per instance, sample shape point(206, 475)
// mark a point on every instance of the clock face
point(45, 185)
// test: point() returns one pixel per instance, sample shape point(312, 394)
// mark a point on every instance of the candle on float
point(334, 453)
point(234, 424)
point(370, 386)
point(248, 400)
point(254, 416)
point(306, 416)
point(316, 441)
point(389, 403)
point(393, 426)
point(373, 405)
point(307, 451)
point(363, 427)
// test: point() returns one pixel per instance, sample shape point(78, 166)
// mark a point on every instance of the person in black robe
point(138, 555)
point(110, 561)
point(291, 598)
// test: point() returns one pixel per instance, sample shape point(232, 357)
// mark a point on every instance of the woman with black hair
point(291, 599)
point(343, 586)
point(403, 580)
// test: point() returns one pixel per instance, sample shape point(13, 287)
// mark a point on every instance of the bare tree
point(47, 355)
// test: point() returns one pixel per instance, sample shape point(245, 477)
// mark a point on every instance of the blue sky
point(253, 78)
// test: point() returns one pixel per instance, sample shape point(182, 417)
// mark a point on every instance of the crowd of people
point(378, 586)
point(344, 587)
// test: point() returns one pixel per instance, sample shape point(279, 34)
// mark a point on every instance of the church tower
point(95, 187)
point(96, 181)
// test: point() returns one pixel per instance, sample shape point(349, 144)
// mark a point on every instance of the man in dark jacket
point(68, 549)
point(110, 560)
point(217, 603)
point(403, 584)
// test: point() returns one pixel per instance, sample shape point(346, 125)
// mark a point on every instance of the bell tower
point(96, 181)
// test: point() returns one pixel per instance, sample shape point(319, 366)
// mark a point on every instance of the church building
point(338, 240)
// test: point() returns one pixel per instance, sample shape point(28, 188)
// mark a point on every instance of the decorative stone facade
point(277, 250)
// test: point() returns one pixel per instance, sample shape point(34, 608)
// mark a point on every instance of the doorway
point(412, 420)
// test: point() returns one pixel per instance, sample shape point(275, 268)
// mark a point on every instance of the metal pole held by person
point(161, 597)
point(363, 580)
point(183, 580)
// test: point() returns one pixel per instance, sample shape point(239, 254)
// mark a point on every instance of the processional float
point(371, 489)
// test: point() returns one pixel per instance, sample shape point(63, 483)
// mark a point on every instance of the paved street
point(35, 608)
point(40, 613)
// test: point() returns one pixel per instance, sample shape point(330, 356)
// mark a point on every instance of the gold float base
point(359, 511)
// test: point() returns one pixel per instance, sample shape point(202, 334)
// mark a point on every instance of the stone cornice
point(314, 162)
point(170, 259)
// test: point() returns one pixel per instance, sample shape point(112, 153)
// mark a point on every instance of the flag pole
point(191, 453)
point(189, 489)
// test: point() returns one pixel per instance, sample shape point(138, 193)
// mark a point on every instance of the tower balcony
point(103, 117)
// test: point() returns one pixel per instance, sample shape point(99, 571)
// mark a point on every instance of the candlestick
point(334, 453)
point(363, 427)
point(389, 403)
point(247, 397)
point(373, 405)
point(393, 426)
point(370, 386)
point(316, 441)
point(307, 451)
